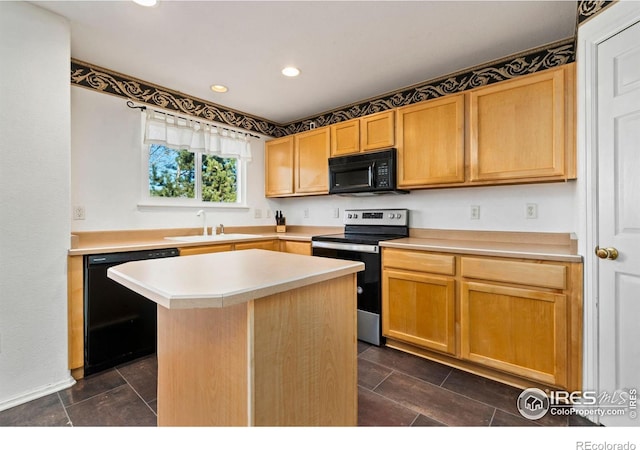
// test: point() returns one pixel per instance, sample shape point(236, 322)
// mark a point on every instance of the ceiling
point(346, 51)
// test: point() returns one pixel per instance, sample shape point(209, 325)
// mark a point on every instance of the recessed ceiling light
point(219, 88)
point(146, 2)
point(291, 71)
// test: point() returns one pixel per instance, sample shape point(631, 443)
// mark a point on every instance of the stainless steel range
point(364, 230)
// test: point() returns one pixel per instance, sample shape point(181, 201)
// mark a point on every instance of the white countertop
point(216, 280)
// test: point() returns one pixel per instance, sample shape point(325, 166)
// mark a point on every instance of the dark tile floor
point(395, 389)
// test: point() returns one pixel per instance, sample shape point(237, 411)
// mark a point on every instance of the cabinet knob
point(606, 253)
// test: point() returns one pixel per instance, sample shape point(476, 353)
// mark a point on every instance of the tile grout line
point(64, 408)
point(136, 392)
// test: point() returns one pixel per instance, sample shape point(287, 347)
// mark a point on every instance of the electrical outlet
point(78, 213)
point(257, 213)
point(305, 213)
point(531, 211)
point(268, 213)
point(336, 213)
point(475, 212)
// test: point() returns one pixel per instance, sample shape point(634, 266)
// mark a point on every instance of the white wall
point(105, 174)
point(34, 187)
point(501, 207)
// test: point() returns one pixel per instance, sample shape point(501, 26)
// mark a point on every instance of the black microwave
point(366, 173)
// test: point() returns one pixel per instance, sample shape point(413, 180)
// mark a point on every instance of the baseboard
point(38, 393)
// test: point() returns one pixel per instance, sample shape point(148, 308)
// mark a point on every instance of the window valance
point(182, 133)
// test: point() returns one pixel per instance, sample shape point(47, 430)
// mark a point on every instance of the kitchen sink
point(212, 238)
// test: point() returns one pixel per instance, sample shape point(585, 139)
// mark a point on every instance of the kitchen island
point(252, 337)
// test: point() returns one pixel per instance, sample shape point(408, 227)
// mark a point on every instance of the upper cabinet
point(345, 137)
point(517, 131)
point(372, 132)
point(524, 128)
point(431, 142)
point(278, 158)
point(311, 165)
point(298, 164)
point(377, 131)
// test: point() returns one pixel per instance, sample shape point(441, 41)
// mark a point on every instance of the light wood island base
point(288, 359)
point(252, 337)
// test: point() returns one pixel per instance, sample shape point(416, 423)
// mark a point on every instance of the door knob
point(606, 253)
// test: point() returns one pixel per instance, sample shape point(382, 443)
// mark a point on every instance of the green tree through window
point(173, 174)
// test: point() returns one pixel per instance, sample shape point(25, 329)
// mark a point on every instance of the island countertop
point(217, 280)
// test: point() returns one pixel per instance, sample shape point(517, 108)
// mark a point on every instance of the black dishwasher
point(119, 324)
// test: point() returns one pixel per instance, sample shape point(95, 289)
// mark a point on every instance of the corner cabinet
point(298, 164)
point(524, 128)
point(513, 320)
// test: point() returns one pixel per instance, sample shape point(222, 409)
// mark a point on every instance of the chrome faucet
point(204, 221)
point(221, 229)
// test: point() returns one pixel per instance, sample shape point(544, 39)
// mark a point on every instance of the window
point(190, 163)
point(181, 174)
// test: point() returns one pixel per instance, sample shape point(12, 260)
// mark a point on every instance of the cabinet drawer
point(530, 274)
point(264, 245)
point(187, 251)
point(419, 261)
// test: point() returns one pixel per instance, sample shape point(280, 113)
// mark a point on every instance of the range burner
point(364, 230)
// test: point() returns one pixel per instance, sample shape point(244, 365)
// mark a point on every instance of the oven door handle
point(364, 248)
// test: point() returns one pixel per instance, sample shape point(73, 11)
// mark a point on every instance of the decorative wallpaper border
point(104, 80)
point(552, 55)
point(589, 8)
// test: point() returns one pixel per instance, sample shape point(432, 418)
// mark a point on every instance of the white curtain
point(181, 133)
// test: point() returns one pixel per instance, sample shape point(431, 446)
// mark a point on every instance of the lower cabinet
point(420, 309)
point(199, 250)
point(263, 245)
point(298, 247)
point(521, 331)
point(514, 320)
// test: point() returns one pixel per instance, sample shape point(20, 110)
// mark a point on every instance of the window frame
point(147, 200)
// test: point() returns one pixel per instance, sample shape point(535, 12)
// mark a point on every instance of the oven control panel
point(397, 217)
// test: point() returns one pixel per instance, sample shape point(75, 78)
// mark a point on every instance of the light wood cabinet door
point(279, 165)
point(345, 137)
point(312, 161)
point(298, 247)
point(419, 308)
point(263, 245)
point(519, 129)
point(377, 131)
point(199, 250)
point(431, 142)
point(518, 330)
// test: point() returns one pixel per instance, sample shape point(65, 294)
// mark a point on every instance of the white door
point(618, 221)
